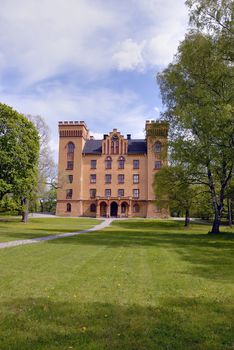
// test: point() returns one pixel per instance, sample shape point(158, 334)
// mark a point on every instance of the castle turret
point(156, 135)
point(72, 137)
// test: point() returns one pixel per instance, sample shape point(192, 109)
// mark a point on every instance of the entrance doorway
point(103, 209)
point(114, 209)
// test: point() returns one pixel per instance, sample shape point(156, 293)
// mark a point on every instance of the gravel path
point(98, 227)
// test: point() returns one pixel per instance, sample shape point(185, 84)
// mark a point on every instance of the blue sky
point(92, 60)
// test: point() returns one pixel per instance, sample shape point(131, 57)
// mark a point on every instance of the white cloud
point(102, 109)
point(129, 55)
point(41, 39)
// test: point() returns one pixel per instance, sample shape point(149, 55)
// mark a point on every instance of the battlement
point(156, 128)
point(72, 123)
point(158, 122)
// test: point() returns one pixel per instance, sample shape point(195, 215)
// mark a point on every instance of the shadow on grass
point(210, 256)
point(185, 323)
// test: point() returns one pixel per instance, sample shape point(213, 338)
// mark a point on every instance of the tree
point(47, 170)
point(19, 147)
point(197, 89)
point(213, 16)
point(172, 188)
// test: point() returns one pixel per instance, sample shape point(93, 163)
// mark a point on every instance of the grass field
point(138, 285)
point(11, 228)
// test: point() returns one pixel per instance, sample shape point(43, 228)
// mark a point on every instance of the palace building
point(112, 177)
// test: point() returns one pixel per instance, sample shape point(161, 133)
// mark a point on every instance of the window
point(158, 164)
point(108, 192)
point(121, 178)
point(69, 194)
point(70, 155)
point(121, 193)
point(136, 208)
point(93, 178)
point(157, 147)
point(108, 178)
point(114, 144)
point(136, 178)
point(69, 207)
point(93, 164)
point(136, 193)
point(70, 179)
point(121, 162)
point(92, 192)
point(136, 164)
point(70, 147)
point(108, 162)
point(70, 164)
point(93, 208)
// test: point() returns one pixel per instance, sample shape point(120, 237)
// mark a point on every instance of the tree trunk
point(187, 218)
point(229, 203)
point(216, 222)
point(42, 206)
point(24, 213)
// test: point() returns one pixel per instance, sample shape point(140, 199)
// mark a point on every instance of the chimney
point(129, 136)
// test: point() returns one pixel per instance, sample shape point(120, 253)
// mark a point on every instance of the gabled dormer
point(114, 143)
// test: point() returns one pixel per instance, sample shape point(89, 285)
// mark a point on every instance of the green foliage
point(19, 147)
point(172, 187)
point(198, 91)
point(8, 204)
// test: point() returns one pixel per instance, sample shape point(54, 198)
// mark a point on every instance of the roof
point(135, 146)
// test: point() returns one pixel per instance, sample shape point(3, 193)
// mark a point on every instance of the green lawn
point(11, 228)
point(140, 284)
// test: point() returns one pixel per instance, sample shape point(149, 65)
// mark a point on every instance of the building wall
point(77, 133)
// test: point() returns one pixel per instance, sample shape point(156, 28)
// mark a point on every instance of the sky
point(91, 60)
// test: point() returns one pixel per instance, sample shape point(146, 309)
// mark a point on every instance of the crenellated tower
point(157, 137)
point(72, 137)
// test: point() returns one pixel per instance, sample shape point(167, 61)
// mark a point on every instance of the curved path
point(98, 227)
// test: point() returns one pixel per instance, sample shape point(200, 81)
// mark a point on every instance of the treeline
point(197, 90)
point(27, 170)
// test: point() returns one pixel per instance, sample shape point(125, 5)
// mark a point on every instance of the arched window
point(93, 208)
point(70, 155)
point(121, 162)
point(112, 147)
point(70, 147)
point(115, 144)
point(157, 147)
point(108, 162)
point(68, 207)
point(136, 208)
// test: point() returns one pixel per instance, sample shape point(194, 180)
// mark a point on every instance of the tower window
point(158, 164)
point(157, 147)
point(70, 179)
point(69, 194)
point(68, 207)
point(70, 155)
